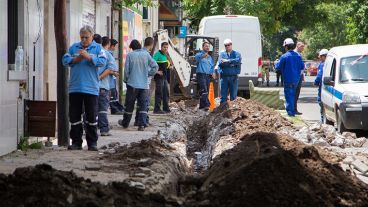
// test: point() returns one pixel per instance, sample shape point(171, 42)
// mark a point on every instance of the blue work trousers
point(115, 106)
point(204, 84)
point(132, 95)
point(228, 84)
point(289, 91)
point(103, 106)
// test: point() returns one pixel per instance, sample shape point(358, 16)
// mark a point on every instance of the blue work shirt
point(110, 65)
point(318, 80)
point(84, 74)
point(291, 65)
point(204, 65)
point(112, 78)
point(232, 65)
point(138, 66)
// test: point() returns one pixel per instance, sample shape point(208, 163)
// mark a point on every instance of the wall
point(151, 24)
point(9, 91)
point(103, 13)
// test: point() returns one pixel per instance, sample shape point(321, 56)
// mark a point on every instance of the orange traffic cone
point(211, 96)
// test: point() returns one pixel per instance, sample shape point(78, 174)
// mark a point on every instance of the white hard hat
point(288, 41)
point(323, 52)
point(227, 41)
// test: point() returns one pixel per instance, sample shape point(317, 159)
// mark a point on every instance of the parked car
point(311, 68)
point(345, 87)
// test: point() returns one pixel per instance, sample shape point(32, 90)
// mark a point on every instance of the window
point(354, 69)
point(145, 13)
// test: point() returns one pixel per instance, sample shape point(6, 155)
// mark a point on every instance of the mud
point(242, 154)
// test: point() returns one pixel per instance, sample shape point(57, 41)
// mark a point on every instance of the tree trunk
point(62, 73)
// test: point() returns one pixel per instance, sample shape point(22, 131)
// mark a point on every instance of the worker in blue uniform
point(205, 71)
point(84, 59)
point(229, 63)
point(318, 80)
point(290, 65)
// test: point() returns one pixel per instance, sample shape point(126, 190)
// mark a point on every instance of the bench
point(266, 96)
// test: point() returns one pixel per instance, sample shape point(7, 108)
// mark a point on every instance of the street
point(307, 103)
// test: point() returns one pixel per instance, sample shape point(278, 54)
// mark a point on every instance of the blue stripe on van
point(334, 92)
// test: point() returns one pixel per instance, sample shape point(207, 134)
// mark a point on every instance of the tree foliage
point(321, 24)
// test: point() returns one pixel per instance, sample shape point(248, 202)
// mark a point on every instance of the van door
point(327, 95)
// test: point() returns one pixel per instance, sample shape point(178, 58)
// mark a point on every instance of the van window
point(327, 67)
point(354, 69)
point(333, 69)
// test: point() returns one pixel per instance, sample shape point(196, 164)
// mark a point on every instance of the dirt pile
point(266, 169)
point(42, 186)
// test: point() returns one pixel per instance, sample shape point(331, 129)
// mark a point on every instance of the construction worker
point(104, 95)
point(229, 63)
point(290, 65)
point(115, 107)
point(161, 79)
point(205, 71)
point(299, 49)
point(138, 66)
point(148, 46)
point(318, 80)
point(84, 59)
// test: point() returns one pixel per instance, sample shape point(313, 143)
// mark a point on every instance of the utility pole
point(62, 73)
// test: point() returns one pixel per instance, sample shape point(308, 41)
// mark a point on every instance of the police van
point(344, 93)
point(245, 34)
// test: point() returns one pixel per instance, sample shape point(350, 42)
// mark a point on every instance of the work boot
point(120, 122)
point(106, 134)
point(158, 112)
point(92, 148)
point(74, 147)
point(141, 128)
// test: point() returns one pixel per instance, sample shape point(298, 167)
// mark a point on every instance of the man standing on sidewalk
point(162, 85)
point(290, 65)
point(299, 49)
point(84, 59)
point(229, 63)
point(104, 96)
point(138, 66)
point(205, 70)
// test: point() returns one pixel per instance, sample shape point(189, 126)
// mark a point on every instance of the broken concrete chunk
point(338, 141)
point(363, 168)
point(359, 142)
point(140, 175)
point(92, 166)
point(320, 142)
point(349, 134)
point(138, 185)
point(348, 160)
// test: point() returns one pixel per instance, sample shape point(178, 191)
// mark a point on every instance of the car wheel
point(340, 124)
point(325, 120)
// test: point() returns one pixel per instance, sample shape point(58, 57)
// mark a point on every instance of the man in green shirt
point(161, 79)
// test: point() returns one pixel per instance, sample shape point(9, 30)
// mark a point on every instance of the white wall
point(103, 10)
point(9, 91)
point(151, 24)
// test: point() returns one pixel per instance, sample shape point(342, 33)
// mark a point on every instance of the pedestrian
point(105, 73)
point(115, 107)
point(148, 46)
point(205, 71)
point(229, 63)
point(290, 65)
point(161, 79)
point(278, 75)
point(84, 59)
point(266, 66)
point(299, 49)
point(138, 66)
point(318, 80)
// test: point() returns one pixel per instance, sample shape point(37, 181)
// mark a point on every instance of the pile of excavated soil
point(43, 186)
point(267, 169)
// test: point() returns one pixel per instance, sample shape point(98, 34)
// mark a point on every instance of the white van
point(344, 93)
point(245, 33)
